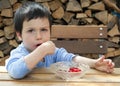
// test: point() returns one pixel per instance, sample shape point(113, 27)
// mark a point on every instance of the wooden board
point(72, 31)
point(44, 74)
point(34, 83)
point(82, 47)
point(43, 77)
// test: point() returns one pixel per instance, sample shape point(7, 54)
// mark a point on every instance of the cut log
point(111, 5)
point(7, 13)
point(114, 31)
point(7, 51)
point(95, 0)
point(3, 40)
point(110, 16)
point(1, 54)
point(85, 3)
point(73, 6)
point(89, 20)
point(4, 4)
point(97, 6)
point(1, 25)
point(2, 60)
point(81, 15)
point(1, 33)
point(59, 13)
point(102, 16)
point(8, 21)
point(16, 6)
point(1, 18)
point(68, 16)
point(42, 0)
point(116, 60)
point(55, 4)
point(12, 1)
point(110, 49)
point(46, 5)
point(112, 44)
point(89, 13)
point(112, 22)
point(13, 43)
point(9, 32)
point(74, 22)
point(114, 39)
point(113, 53)
point(63, 1)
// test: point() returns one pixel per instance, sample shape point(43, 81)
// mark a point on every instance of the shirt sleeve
point(16, 65)
point(63, 55)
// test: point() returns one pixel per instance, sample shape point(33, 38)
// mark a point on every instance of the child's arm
point(101, 64)
point(19, 66)
point(39, 53)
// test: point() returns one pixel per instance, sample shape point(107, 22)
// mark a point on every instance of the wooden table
point(43, 77)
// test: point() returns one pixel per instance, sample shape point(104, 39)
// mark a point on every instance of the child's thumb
point(101, 58)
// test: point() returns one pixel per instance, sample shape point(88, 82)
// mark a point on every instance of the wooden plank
point(3, 69)
point(46, 70)
point(91, 71)
point(19, 83)
point(49, 77)
point(82, 47)
point(39, 75)
point(73, 31)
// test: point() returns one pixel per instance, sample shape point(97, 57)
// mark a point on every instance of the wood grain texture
point(43, 77)
point(73, 31)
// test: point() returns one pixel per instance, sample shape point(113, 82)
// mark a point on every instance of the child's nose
point(38, 36)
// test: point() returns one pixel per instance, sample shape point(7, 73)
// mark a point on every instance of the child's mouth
point(38, 45)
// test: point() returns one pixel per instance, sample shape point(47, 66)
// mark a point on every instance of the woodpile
point(66, 12)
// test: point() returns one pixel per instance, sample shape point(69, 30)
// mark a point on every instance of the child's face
point(35, 32)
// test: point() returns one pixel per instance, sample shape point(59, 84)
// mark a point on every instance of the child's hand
point(105, 65)
point(49, 47)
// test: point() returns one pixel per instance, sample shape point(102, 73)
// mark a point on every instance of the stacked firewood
point(66, 12)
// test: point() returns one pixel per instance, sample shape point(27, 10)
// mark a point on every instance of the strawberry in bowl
point(74, 69)
point(69, 70)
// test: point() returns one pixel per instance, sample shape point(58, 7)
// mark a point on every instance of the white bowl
point(62, 70)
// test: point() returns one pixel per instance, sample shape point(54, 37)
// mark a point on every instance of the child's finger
point(108, 61)
point(111, 65)
point(101, 59)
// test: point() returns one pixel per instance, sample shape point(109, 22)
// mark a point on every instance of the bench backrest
point(80, 39)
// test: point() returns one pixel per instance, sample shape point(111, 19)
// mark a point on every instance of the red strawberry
point(74, 69)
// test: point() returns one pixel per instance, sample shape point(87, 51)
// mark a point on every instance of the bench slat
point(68, 37)
point(73, 31)
point(79, 47)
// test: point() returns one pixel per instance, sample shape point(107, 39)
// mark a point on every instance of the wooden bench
point(82, 40)
point(88, 39)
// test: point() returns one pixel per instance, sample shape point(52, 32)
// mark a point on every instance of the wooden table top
point(43, 77)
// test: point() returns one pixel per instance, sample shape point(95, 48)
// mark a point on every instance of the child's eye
point(31, 30)
point(43, 29)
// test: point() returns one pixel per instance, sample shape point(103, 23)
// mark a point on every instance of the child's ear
point(19, 36)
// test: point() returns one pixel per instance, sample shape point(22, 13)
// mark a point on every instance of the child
point(32, 23)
